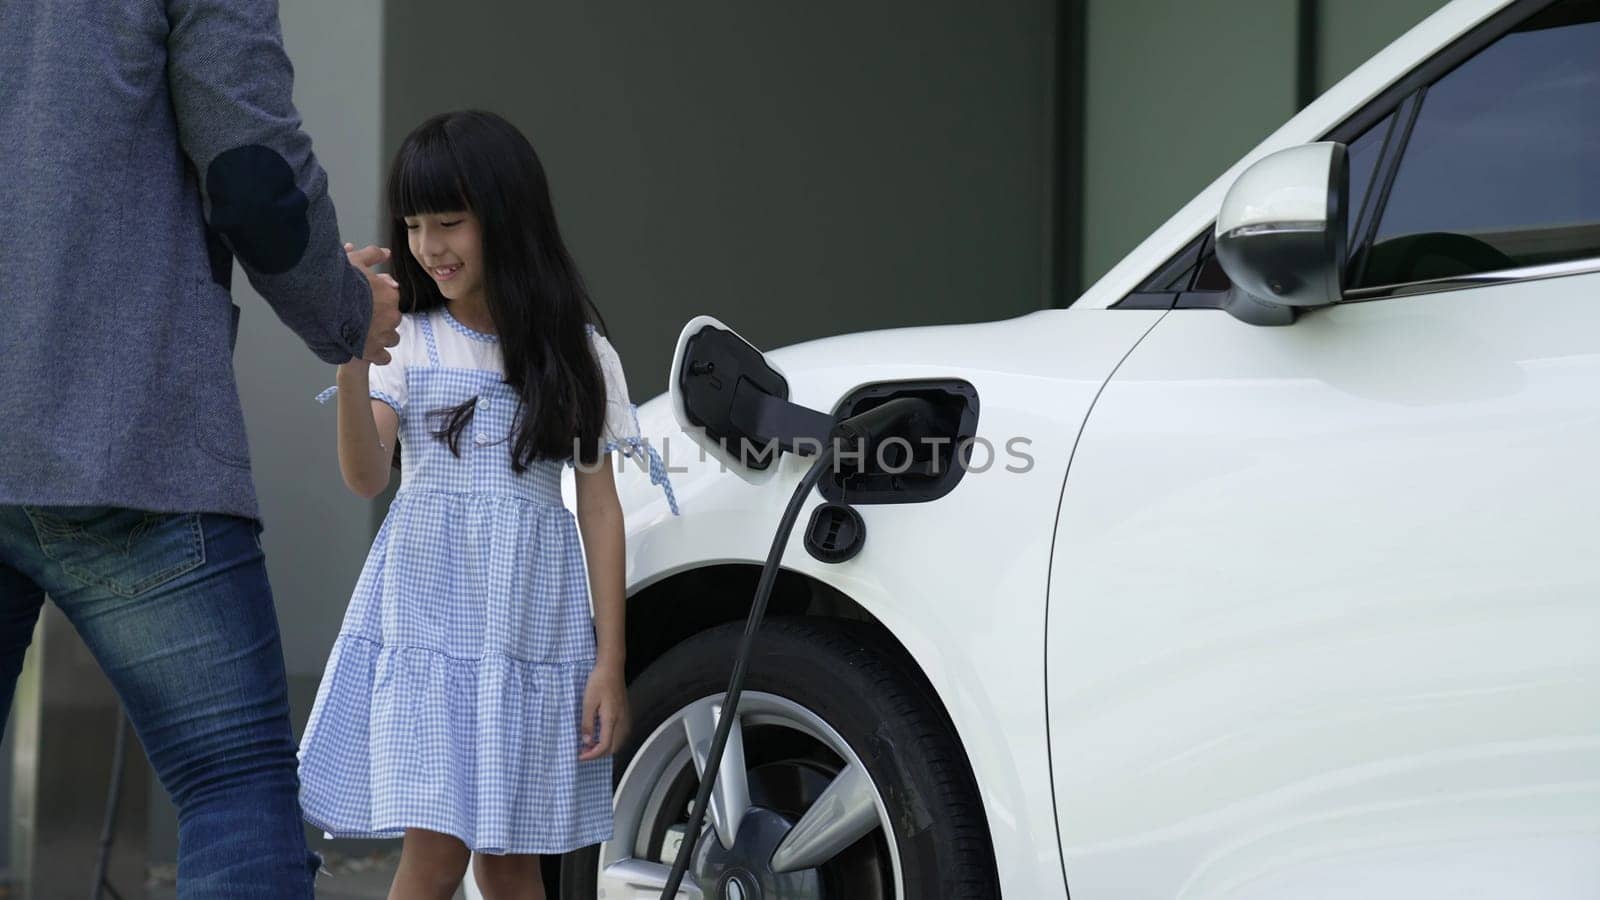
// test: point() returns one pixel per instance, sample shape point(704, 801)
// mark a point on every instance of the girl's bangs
point(427, 181)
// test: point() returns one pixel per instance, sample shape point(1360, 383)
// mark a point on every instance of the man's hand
point(385, 328)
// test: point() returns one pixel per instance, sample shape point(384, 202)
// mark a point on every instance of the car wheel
point(842, 778)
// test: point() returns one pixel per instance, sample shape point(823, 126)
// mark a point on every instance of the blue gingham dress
point(452, 697)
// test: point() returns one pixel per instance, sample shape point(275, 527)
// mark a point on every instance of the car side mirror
point(1281, 233)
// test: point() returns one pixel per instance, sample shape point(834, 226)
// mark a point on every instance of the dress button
point(483, 402)
point(482, 438)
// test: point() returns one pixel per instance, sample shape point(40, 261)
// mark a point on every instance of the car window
point(1499, 171)
point(1362, 157)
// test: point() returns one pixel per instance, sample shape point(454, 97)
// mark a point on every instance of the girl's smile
point(449, 247)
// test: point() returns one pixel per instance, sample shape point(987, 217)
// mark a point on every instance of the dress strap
point(635, 447)
point(426, 320)
point(658, 476)
point(638, 448)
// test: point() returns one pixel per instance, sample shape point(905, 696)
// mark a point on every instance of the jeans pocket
point(124, 551)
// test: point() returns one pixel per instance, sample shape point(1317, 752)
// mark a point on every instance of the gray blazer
point(144, 146)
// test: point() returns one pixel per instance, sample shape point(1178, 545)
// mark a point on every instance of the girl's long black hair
point(477, 161)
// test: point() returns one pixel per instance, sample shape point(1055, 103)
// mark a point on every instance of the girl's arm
point(367, 431)
point(600, 523)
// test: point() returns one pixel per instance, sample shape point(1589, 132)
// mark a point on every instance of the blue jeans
point(177, 611)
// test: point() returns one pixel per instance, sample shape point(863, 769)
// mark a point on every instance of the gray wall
point(317, 532)
point(797, 170)
point(1177, 91)
point(1350, 31)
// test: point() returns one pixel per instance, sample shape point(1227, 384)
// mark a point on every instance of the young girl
point(471, 703)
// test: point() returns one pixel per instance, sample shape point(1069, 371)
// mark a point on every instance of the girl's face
point(449, 248)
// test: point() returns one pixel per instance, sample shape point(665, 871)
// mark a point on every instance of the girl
point(471, 703)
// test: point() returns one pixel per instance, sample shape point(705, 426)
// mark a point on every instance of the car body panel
point(975, 624)
point(1325, 605)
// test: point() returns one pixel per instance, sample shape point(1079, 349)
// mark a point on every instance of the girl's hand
point(383, 330)
point(604, 698)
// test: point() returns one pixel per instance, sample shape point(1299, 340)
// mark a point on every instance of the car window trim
point(1586, 266)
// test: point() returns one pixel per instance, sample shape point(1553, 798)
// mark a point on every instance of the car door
point(1325, 598)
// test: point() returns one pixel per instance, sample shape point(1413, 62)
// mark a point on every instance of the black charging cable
point(864, 430)
point(730, 703)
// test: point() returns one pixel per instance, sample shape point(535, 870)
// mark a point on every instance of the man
point(145, 145)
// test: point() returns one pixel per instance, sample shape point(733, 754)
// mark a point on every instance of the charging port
point(923, 462)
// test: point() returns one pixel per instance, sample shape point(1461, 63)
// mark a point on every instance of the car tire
point(851, 677)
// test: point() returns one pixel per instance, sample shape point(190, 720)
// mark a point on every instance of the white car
point(1282, 578)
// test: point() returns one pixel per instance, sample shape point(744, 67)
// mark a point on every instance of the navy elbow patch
point(256, 205)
